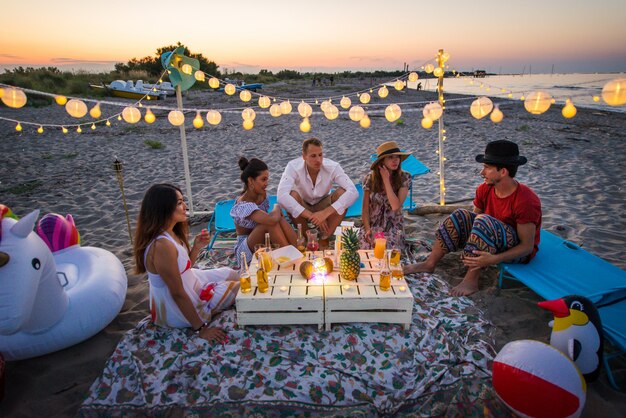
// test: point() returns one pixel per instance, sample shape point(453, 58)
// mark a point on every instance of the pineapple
point(350, 261)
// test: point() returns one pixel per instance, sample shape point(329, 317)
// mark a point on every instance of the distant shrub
point(523, 128)
point(153, 144)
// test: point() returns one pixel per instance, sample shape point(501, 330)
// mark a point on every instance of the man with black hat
point(504, 226)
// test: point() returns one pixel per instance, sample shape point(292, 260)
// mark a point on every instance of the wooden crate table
point(363, 301)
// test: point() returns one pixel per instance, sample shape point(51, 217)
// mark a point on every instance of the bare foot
point(423, 267)
point(465, 288)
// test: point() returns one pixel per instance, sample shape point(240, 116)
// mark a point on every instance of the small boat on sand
point(130, 90)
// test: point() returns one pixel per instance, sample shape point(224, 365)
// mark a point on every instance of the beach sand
point(576, 166)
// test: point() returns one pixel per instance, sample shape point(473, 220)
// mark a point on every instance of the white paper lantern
point(305, 125)
point(481, 107)
point(497, 115)
point(413, 76)
point(345, 102)
point(393, 112)
point(285, 107)
point(214, 83)
point(305, 110)
point(248, 124)
point(364, 98)
point(325, 105)
point(187, 69)
point(429, 68)
point(176, 117)
point(213, 117)
point(383, 92)
point(433, 111)
point(131, 114)
point(427, 123)
point(538, 102)
point(365, 122)
point(95, 111)
point(248, 114)
point(356, 113)
point(398, 85)
point(245, 96)
point(438, 72)
point(332, 112)
point(197, 121)
point(614, 92)
point(149, 117)
point(199, 75)
point(264, 102)
point(230, 89)
point(275, 110)
point(76, 108)
point(15, 98)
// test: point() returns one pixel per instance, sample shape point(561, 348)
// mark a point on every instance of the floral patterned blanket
point(441, 366)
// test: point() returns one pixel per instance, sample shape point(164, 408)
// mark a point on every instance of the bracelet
point(204, 325)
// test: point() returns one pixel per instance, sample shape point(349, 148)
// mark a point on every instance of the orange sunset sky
point(320, 35)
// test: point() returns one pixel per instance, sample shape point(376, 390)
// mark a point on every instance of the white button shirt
point(296, 177)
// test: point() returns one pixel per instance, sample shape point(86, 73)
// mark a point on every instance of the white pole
point(442, 185)
point(183, 144)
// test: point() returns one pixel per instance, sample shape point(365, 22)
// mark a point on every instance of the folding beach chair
point(562, 268)
point(415, 168)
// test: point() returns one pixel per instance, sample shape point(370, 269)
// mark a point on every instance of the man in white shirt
point(304, 189)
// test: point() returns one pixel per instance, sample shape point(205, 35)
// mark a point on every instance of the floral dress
point(381, 215)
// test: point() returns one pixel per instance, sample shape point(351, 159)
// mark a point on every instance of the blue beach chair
point(613, 325)
point(356, 209)
point(415, 168)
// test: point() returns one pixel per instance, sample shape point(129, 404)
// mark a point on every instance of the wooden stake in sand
point(183, 142)
point(441, 59)
point(117, 166)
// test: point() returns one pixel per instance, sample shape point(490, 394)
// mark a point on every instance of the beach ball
point(248, 114)
point(569, 110)
point(537, 102)
point(305, 110)
point(131, 114)
point(413, 77)
point(149, 117)
point(230, 89)
point(275, 110)
point(14, 98)
point(264, 102)
point(535, 379)
point(199, 75)
point(95, 111)
point(213, 117)
point(364, 98)
point(332, 113)
point(481, 107)
point(429, 68)
point(248, 124)
point(365, 122)
point(614, 92)
point(245, 96)
point(76, 108)
point(497, 115)
point(383, 92)
point(61, 100)
point(398, 85)
point(214, 83)
point(433, 111)
point(356, 113)
point(197, 121)
point(345, 102)
point(393, 112)
point(305, 125)
point(427, 123)
point(176, 117)
point(285, 107)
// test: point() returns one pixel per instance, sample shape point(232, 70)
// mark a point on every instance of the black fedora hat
point(501, 152)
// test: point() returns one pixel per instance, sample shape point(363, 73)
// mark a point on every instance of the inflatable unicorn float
point(53, 292)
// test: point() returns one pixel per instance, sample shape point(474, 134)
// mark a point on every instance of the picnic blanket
point(440, 366)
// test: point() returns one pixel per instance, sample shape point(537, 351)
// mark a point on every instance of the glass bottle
point(244, 275)
point(385, 274)
point(301, 241)
point(261, 279)
point(266, 256)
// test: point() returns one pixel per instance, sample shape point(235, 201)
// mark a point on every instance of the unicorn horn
point(24, 226)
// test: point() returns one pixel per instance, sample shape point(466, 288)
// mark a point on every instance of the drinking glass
point(313, 244)
point(380, 245)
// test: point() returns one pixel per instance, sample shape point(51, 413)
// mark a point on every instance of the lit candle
point(402, 288)
point(346, 287)
point(283, 288)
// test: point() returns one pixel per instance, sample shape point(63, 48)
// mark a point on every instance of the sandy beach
point(576, 166)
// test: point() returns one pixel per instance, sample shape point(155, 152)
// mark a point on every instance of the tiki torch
point(117, 166)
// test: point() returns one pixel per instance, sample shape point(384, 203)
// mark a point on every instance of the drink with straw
point(380, 244)
point(244, 275)
point(385, 274)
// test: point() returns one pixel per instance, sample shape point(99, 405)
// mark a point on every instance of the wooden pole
point(183, 143)
point(442, 186)
point(117, 166)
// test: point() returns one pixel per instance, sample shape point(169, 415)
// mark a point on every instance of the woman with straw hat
point(384, 190)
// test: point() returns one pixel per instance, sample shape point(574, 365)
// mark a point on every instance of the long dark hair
point(376, 181)
point(157, 207)
point(252, 168)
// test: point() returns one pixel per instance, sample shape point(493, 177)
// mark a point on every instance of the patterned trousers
point(468, 231)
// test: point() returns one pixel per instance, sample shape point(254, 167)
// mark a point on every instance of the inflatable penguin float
point(577, 332)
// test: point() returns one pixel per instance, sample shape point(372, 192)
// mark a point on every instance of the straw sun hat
point(388, 148)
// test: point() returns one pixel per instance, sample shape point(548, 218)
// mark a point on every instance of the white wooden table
point(290, 299)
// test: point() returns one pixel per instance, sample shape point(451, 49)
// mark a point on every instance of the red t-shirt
point(521, 207)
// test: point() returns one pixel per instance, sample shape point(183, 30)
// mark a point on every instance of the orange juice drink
point(395, 257)
point(244, 281)
point(385, 280)
point(379, 248)
point(266, 260)
point(261, 280)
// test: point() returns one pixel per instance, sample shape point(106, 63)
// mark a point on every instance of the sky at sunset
point(320, 35)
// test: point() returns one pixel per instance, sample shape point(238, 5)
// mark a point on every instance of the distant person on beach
point(419, 86)
point(251, 212)
point(304, 190)
point(384, 190)
point(504, 226)
point(180, 296)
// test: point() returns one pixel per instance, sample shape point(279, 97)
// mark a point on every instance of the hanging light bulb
point(64, 129)
point(383, 92)
point(427, 122)
point(305, 125)
point(365, 122)
point(393, 112)
point(398, 85)
point(275, 110)
point(79, 130)
point(61, 100)
point(596, 99)
point(197, 121)
point(76, 108)
point(149, 118)
point(213, 117)
point(497, 115)
point(248, 124)
point(356, 113)
point(14, 98)
point(413, 77)
point(95, 111)
point(214, 83)
point(40, 130)
point(429, 68)
point(332, 112)
point(131, 114)
point(569, 110)
point(345, 102)
point(248, 114)
point(305, 110)
point(264, 102)
point(230, 89)
point(614, 92)
point(176, 117)
point(187, 69)
point(119, 117)
point(445, 56)
point(285, 107)
point(93, 126)
point(364, 98)
point(245, 96)
point(199, 75)
point(481, 107)
point(18, 127)
point(538, 102)
point(108, 123)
